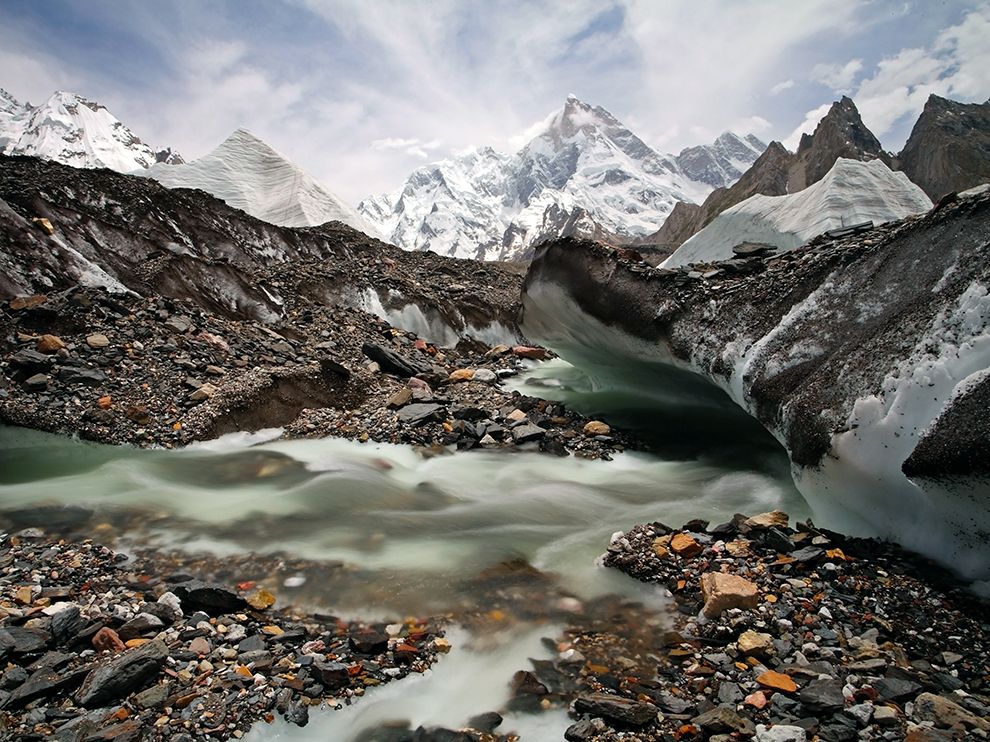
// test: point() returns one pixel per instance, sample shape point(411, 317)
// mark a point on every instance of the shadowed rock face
point(949, 147)
point(864, 356)
point(841, 133)
point(132, 234)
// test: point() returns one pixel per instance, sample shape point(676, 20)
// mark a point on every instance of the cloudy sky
point(360, 92)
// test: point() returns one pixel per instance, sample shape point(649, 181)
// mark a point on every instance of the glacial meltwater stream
point(409, 534)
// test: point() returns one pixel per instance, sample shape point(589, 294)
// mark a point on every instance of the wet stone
point(419, 413)
point(616, 709)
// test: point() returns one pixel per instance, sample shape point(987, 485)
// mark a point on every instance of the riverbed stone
point(721, 591)
point(616, 709)
point(125, 674)
point(420, 413)
point(527, 432)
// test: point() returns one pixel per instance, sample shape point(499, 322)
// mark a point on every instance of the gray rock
point(214, 600)
point(395, 363)
point(616, 709)
point(724, 720)
point(22, 641)
point(822, 695)
point(30, 361)
point(527, 432)
point(123, 675)
point(141, 625)
point(890, 689)
point(37, 383)
point(419, 413)
point(86, 376)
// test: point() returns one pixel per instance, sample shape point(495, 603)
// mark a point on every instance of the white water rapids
point(417, 529)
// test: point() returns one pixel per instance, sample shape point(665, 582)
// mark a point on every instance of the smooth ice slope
point(251, 176)
point(851, 192)
point(70, 129)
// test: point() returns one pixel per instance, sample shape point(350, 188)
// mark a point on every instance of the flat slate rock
point(124, 674)
point(616, 709)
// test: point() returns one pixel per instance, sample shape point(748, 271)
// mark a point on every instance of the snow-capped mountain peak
point(583, 173)
point(72, 130)
point(723, 162)
point(252, 176)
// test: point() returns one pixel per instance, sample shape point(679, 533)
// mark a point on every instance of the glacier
point(251, 176)
point(853, 191)
point(865, 356)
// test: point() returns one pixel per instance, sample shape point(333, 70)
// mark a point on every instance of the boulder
point(722, 591)
point(125, 674)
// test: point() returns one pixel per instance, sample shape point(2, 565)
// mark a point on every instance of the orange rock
point(723, 591)
point(773, 519)
point(777, 681)
point(27, 302)
point(106, 639)
point(660, 546)
point(24, 595)
point(685, 546)
point(596, 427)
point(461, 374)
point(49, 344)
point(105, 402)
point(131, 643)
point(261, 599)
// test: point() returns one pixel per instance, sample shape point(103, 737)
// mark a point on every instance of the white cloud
point(412, 147)
point(838, 77)
point(780, 87)
point(751, 125)
point(956, 65)
point(356, 73)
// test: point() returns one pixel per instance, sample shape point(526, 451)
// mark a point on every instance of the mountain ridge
point(583, 159)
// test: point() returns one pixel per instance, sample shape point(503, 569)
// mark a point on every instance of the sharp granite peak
point(252, 176)
point(585, 174)
point(75, 131)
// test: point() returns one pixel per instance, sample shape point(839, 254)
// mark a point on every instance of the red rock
point(526, 351)
point(756, 699)
point(106, 640)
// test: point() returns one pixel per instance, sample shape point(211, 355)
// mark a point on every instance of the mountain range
point(948, 150)
point(584, 174)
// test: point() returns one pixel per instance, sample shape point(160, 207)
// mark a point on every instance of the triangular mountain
point(251, 176)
